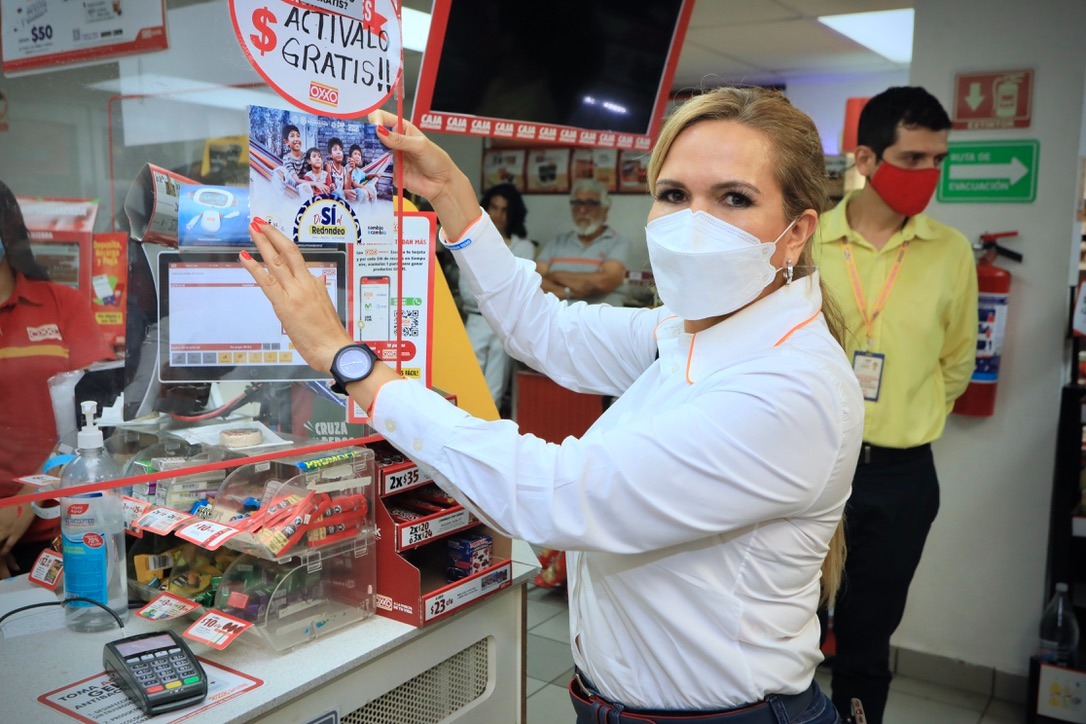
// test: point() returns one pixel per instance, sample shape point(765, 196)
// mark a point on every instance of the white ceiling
point(753, 41)
point(766, 41)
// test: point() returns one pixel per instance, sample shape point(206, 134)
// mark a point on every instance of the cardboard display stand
point(411, 583)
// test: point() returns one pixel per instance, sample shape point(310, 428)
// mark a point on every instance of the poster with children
point(321, 181)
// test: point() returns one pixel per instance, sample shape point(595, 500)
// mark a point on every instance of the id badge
point(868, 369)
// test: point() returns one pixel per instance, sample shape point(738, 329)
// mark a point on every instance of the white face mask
point(705, 267)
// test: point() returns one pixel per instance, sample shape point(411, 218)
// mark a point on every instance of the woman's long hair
point(16, 238)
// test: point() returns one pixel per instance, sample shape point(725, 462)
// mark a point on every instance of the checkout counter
point(468, 667)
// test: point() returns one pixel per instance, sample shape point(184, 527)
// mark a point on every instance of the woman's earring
point(788, 272)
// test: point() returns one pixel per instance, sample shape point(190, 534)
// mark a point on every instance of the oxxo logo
point(325, 94)
point(42, 333)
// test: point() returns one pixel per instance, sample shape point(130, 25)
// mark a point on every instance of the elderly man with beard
point(589, 263)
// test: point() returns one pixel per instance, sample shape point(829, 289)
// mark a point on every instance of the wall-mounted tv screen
point(566, 71)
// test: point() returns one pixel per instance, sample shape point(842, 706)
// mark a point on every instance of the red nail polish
point(382, 131)
point(258, 223)
point(245, 255)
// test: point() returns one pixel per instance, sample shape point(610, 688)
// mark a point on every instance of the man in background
point(907, 287)
point(589, 263)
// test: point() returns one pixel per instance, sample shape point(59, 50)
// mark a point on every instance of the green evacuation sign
point(990, 172)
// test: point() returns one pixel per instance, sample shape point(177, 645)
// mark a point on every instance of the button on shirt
point(699, 507)
point(927, 330)
point(567, 253)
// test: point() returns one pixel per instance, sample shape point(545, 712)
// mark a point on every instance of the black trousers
point(895, 497)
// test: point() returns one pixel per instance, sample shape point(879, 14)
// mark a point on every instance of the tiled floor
point(550, 666)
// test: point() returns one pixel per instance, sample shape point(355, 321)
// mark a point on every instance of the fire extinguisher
point(993, 288)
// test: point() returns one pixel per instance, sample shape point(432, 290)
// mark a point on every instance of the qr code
point(410, 323)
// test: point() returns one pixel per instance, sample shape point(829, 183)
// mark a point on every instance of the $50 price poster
point(41, 35)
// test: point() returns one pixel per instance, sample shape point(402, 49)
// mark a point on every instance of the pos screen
point(215, 322)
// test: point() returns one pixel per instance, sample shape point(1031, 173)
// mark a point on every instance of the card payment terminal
point(156, 670)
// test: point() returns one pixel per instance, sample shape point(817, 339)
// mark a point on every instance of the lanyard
point(858, 290)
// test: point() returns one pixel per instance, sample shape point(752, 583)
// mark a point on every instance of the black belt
point(590, 706)
point(876, 455)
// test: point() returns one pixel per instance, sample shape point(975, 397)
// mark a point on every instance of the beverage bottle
point(92, 535)
point(1059, 630)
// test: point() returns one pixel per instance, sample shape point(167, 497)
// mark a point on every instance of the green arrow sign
point(990, 172)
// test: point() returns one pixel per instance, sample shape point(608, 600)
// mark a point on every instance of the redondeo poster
point(321, 61)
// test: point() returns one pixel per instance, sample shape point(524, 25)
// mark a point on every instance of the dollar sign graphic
point(266, 40)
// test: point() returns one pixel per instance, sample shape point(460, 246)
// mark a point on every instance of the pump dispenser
point(92, 533)
point(90, 436)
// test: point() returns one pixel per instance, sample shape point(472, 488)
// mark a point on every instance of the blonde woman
point(701, 511)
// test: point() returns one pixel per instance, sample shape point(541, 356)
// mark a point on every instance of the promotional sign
point(990, 172)
point(595, 163)
point(47, 569)
point(42, 34)
point(109, 285)
point(504, 166)
point(548, 170)
point(322, 62)
point(323, 182)
point(57, 219)
point(212, 216)
point(98, 700)
point(216, 629)
point(167, 606)
point(395, 320)
point(1001, 99)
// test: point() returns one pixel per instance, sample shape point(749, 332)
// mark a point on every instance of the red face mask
point(906, 191)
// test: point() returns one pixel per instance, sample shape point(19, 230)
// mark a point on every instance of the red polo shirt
point(45, 328)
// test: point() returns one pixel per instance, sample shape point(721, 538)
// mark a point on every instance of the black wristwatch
point(352, 363)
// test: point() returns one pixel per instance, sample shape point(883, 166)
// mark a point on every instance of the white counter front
point(469, 667)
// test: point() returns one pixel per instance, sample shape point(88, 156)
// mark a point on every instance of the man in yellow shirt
point(907, 288)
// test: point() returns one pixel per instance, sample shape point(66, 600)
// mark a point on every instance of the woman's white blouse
point(697, 509)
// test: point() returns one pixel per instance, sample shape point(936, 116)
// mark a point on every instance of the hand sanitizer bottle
point(92, 533)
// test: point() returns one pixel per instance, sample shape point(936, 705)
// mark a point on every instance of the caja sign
point(324, 62)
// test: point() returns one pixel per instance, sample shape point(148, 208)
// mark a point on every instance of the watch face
point(354, 364)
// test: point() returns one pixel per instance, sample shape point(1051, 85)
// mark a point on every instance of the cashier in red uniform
point(45, 328)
